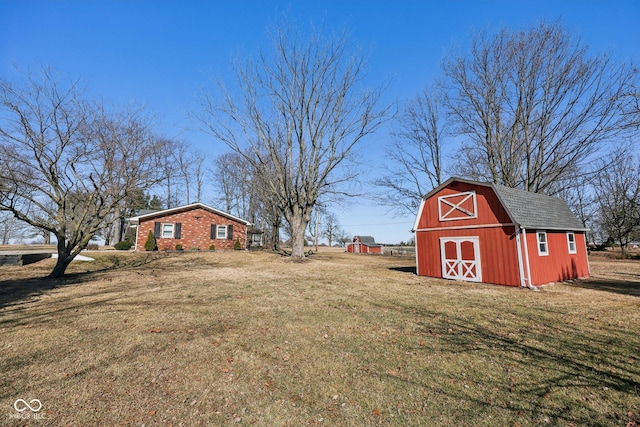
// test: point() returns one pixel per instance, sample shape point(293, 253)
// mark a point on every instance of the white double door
point(461, 258)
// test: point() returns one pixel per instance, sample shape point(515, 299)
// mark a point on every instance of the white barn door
point(461, 258)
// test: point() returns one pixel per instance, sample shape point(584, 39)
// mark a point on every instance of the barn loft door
point(461, 258)
point(458, 206)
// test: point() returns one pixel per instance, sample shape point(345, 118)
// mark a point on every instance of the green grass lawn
point(254, 339)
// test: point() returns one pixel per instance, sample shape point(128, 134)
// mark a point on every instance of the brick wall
point(195, 231)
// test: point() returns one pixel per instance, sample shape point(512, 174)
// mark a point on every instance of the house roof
point(533, 210)
point(367, 240)
point(158, 214)
point(528, 210)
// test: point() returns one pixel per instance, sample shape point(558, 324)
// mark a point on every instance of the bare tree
point(415, 159)
point(243, 192)
point(331, 228)
point(315, 224)
point(344, 237)
point(66, 163)
point(618, 192)
point(169, 169)
point(300, 114)
point(189, 166)
point(579, 193)
point(198, 172)
point(232, 176)
point(10, 228)
point(182, 159)
point(534, 106)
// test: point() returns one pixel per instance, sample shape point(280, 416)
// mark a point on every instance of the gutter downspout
point(586, 253)
point(415, 242)
point(523, 279)
point(526, 254)
point(137, 226)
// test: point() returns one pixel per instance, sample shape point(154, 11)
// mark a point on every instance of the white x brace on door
point(461, 258)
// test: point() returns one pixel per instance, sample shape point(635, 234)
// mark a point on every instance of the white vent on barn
point(457, 206)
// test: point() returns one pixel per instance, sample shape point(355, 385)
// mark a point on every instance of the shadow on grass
point(13, 291)
point(411, 270)
point(546, 369)
point(624, 287)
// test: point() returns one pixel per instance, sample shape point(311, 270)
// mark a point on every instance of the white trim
point(415, 242)
point(467, 227)
point(526, 255)
point(523, 279)
point(226, 232)
point(415, 225)
point(173, 230)
point(586, 253)
point(135, 248)
point(457, 206)
point(462, 268)
point(575, 248)
point(546, 243)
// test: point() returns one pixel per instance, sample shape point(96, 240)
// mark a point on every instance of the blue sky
point(160, 53)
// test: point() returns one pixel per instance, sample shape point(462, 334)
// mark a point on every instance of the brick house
point(194, 226)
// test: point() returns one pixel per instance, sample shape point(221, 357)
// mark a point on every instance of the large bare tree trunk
point(300, 115)
point(298, 228)
point(64, 259)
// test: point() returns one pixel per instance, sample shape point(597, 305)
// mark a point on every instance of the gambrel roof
point(367, 240)
point(528, 210)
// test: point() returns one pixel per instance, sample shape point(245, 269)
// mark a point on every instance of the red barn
point(194, 226)
point(364, 245)
point(483, 232)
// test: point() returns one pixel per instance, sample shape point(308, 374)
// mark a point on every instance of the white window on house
point(167, 231)
point(571, 241)
point(221, 232)
point(543, 246)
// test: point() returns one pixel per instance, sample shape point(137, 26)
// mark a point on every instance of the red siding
point(364, 249)
point(559, 265)
point(489, 208)
point(497, 242)
point(498, 254)
point(195, 231)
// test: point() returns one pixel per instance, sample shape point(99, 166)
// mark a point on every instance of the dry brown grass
point(251, 338)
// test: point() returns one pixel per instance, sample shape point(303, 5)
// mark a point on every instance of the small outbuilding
point(364, 245)
point(484, 232)
point(193, 226)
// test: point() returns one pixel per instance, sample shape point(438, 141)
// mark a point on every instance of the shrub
point(150, 244)
point(125, 245)
point(212, 247)
point(178, 247)
point(93, 247)
point(237, 245)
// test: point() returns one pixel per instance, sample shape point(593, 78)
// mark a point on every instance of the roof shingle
point(533, 210)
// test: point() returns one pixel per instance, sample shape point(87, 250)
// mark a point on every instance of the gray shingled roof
point(367, 240)
point(533, 210)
